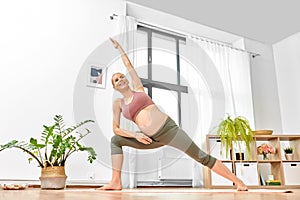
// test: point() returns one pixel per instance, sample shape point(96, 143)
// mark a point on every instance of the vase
point(289, 156)
point(260, 157)
point(266, 156)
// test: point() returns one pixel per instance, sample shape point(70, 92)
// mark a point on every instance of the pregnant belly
point(150, 119)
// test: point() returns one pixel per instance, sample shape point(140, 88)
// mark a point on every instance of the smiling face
point(119, 81)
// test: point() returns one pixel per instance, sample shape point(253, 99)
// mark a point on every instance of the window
point(159, 68)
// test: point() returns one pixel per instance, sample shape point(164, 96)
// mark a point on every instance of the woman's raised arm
point(136, 81)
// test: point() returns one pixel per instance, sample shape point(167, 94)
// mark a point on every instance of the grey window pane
point(141, 58)
point(164, 62)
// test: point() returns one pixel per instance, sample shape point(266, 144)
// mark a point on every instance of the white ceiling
point(266, 21)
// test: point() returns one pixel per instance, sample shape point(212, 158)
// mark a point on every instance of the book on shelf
point(273, 182)
point(262, 181)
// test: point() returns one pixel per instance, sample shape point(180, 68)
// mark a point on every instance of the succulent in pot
point(288, 150)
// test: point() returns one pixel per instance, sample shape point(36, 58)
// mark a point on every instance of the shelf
point(245, 161)
point(284, 161)
point(269, 161)
point(278, 166)
point(225, 160)
point(265, 137)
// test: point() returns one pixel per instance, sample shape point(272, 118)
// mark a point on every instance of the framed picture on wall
point(97, 76)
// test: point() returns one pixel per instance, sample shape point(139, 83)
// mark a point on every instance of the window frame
point(149, 83)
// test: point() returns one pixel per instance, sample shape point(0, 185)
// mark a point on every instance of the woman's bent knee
point(115, 139)
point(115, 145)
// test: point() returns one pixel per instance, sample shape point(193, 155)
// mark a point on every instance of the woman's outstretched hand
point(114, 42)
point(142, 138)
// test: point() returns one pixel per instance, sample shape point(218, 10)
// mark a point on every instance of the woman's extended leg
point(215, 165)
point(176, 137)
point(222, 170)
point(191, 149)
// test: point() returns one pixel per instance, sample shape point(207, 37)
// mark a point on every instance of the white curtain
point(233, 67)
point(126, 30)
point(232, 71)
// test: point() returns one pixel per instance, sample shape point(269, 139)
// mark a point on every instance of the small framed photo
point(97, 76)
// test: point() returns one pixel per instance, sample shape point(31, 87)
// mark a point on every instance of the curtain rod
point(213, 41)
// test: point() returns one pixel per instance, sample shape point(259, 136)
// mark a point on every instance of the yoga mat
point(185, 190)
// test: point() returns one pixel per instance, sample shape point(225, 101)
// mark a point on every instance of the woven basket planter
point(53, 177)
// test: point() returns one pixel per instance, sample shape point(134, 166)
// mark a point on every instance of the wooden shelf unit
point(253, 170)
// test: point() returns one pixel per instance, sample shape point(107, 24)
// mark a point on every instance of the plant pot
point(239, 156)
point(289, 156)
point(53, 178)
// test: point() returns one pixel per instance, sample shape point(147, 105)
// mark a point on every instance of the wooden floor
point(146, 194)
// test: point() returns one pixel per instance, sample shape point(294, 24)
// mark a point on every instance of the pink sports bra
point(140, 101)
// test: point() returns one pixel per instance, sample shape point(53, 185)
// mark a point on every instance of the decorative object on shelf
point(234, 132)
point(288, 153)
point(51, 153)
point(262, 181)
point(266, 150)
point(260, 157)
point(273, 182)
point(270, 177)
point(263, 132)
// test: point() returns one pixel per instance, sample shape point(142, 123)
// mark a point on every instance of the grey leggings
point(169, 134)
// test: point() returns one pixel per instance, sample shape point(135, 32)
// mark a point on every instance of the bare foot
point(111, 186)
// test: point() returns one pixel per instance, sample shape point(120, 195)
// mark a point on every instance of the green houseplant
point(235, 131)
point(57, 143)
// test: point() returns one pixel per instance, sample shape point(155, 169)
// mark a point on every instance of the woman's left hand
point(142, 138)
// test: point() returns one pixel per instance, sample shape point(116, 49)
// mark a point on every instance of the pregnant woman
point(157, 128)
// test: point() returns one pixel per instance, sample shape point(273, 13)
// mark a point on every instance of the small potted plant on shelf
point(265, 150)
point(56, 145)
point(288, 153)
point(235, 131)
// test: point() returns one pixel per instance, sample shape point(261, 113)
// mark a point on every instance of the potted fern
point(233, 132)
point(56, 145)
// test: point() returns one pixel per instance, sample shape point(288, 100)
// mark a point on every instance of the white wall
point(178, 24)
point(264, 87)
point(287, 62)
point(43, 45)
